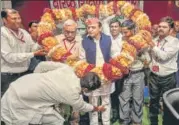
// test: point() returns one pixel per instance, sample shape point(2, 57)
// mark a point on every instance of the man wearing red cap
point(96, 49)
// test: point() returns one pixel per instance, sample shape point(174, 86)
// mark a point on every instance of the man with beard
point(164, 55)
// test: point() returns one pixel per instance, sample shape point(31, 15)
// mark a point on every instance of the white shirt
point(117, 42)
point(116, 46)
point(33, 95)
point(138, 63)
point(15, 54)
point(164, 55)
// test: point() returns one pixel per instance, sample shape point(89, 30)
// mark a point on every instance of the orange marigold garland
point(82, 68)
point(138, 40)
point(118, 65)
point(99, 71)
point(60, 54)
point(111, 72)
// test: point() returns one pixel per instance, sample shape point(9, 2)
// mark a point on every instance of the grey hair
point(70, 22)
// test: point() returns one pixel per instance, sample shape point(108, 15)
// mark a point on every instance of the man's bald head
point(70, 24)
point(69, 29)
point(5, 12)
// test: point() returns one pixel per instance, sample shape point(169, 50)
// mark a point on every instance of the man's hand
point(100, 108)
point(148, 39)
point(40, 52)
point(152, 44)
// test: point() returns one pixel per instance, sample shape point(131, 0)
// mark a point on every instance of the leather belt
point(13, 74)
point(137, 71)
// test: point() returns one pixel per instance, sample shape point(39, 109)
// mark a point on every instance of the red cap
point(92, 21)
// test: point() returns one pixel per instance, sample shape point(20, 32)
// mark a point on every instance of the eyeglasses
point(69, 32)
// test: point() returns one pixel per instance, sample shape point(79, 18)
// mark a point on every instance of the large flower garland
point(117, 66)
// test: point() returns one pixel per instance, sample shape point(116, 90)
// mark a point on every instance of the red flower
point(115, 6)
point(133, 12)
point(134, 44)
point(64, 57)
point(89, 68)
point(148, 28)
point(97, 11)
point(47, 10)
point(124, 70)
point(73, 10)
point(43, 36)
point(107, 70)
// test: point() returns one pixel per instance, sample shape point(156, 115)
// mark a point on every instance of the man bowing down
point(31, 98)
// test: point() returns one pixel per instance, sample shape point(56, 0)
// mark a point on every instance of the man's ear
point(84, 89)
point(171, 30)
point(133, 31)
point(100, 28)
point(30, 30)
point(4, 20)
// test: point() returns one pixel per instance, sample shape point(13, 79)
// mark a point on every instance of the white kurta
point(33, 95)
point(105, 89)
point(16, 54)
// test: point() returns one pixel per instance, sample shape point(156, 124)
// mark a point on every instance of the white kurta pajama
point(30, 98)
point(104, 91)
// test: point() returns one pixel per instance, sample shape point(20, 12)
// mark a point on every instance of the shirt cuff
point(155, 48)
point(31, 55)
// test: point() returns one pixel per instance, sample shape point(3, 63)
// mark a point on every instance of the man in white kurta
point(102, 43)
point(17, 48)
point(30, 99)
point(112, 27)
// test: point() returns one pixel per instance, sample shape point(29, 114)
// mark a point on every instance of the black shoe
point(115, 116)
point(113, 120)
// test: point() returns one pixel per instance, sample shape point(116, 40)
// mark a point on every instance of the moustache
point(161, 31)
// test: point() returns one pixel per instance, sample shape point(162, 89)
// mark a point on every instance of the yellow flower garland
point(118, 65)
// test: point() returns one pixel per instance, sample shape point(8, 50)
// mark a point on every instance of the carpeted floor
point(146, 121)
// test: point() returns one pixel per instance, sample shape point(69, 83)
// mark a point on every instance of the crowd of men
point(33, 89)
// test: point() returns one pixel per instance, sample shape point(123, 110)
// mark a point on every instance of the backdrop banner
point(59, 4)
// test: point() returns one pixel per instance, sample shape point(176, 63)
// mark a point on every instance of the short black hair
point(91, 81)
point(115, 20)
point(129, 24)
point(4, 12)
point(31, 22)
point(168, 20)
point(100, 24)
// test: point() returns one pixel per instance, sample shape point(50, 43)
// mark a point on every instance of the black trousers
point(7, 78)
point(115, 99)
point(34, 62)
point(2, 123)
point(157, 86)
